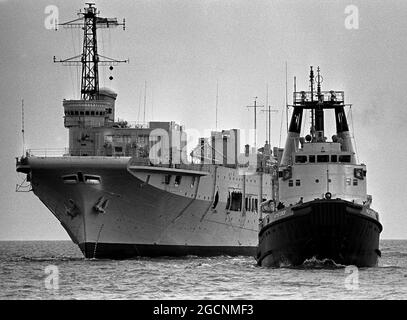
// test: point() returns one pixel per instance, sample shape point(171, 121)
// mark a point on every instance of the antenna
point(145, 90)
point(255, 106)
point(295, 84)
point(269, 111)
point(90, 59)
point(319, 81)
point(311, 79)
point(216, 107)
point(286, 96)
point(152, 103)
point(267, 103)
point(22, 124)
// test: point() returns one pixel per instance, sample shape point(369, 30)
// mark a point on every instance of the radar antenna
point(89, 21)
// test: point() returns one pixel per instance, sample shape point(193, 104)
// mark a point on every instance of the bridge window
point(76, 113)
point(81, 113)
point(344, 158)
point(312, 159)
point(300, 159)
point(167, 179)
point(86, 113)
point(92, 113)
point(334, 158)
point(323, 158)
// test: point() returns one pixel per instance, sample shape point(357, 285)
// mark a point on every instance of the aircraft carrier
point(122, 190)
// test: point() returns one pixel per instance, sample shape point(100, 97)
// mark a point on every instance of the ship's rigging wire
point(72, 78)
point(103, 50)
point(78, 72)
point(206, 143)
point(353, 132)
point(76, 82)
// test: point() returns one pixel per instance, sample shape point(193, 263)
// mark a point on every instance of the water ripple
point(22, 276)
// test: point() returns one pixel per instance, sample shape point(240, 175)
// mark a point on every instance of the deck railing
point(66, 152)
point(48, 152)
point(326, 96)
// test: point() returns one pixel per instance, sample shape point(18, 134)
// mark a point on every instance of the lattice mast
point(90, 59)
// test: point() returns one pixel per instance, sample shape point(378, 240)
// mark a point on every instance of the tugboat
point(321, 209)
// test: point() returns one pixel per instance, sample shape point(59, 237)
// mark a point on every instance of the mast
point(295, 84)
point(267, 105)
point(286, 95)
point(255, 106)
point(311, 79)
point(89, 21)
point(22, 124)
point(216, 107)
point(145, 100)
point(268, 125)
point(90, 73)
point(319, 111)
point(269, 137)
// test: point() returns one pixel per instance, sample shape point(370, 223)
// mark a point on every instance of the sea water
point(57, 270)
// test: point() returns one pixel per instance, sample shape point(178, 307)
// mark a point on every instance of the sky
point(183, 50)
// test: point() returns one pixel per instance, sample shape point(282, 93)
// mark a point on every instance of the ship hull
point(142, 216)
point(337, 230)
point(127, 251)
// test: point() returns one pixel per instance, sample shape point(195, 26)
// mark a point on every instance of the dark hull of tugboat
point(338, 230)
